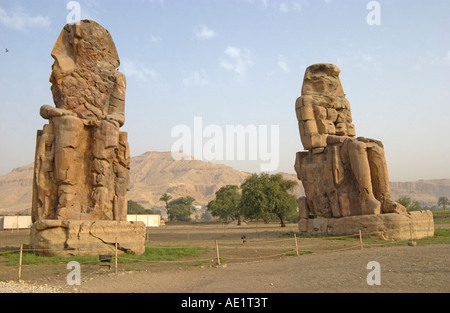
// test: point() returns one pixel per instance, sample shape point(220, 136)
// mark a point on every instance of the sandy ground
point(403, 269)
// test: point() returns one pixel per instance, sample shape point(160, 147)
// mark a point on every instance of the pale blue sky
point(242, 62)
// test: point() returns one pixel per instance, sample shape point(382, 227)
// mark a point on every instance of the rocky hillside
point(424, 191)
point(155, 173)
point(16, 189)
point(152, 174)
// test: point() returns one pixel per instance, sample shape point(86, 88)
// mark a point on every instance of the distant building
point(150, 220)
point(24, 222)
point(15, 222)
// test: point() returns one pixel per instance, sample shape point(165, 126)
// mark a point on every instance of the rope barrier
point(231, 247)
point(260, 257)
point(165, 261)
point(247, 242)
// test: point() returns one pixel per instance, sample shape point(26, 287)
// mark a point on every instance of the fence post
point(360, 239)
point(296, 244)
point(411, 242)
point(217, 250)
point(20, 261)
point(116, 255)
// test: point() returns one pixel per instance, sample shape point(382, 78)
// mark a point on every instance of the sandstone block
point(305, 113)
point(326, 127)
point(77, 237)
point(351, 131)
point(320, 113)
point(332, 114)
point(303, 208)
point(389, 226)
point(341, 129)
point(313, 140)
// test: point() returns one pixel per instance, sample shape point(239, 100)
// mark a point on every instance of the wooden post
point(411, 242)
point(296, 243)
point(217, 250)
point(116, 255)
point(360, 239)
point(20, 261)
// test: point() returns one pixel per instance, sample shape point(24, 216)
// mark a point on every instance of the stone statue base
point(73, 237)
point(390, 226)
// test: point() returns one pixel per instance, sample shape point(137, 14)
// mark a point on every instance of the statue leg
point(357, 153)
point(105, 144)
point(68, 164)
point(380, 179)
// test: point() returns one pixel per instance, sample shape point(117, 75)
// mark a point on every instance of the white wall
point(150, 220)
point(15, 222)
point(24, 222)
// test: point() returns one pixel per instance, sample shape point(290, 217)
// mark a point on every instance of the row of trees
point(261, 196)
point(265, 197)
point(414, 205)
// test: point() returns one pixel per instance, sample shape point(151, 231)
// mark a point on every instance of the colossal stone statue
point(82, 160)
point(343, 176)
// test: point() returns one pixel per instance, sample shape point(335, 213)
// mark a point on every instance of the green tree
point(206, 217)
point(181, 209)
point(265, 196)
point(135, 208)
point(410, 205)
point(226, 205)
point(443, 201)
point(166, 198)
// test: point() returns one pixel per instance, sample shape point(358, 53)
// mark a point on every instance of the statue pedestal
point(76, 237)
point(390, 226)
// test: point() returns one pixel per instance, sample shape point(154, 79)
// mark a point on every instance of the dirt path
point(422, 269)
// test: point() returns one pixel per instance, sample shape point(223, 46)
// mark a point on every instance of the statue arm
point(48, 112)
point(116, 111)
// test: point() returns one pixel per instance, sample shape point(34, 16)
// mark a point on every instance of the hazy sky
point(241, 62)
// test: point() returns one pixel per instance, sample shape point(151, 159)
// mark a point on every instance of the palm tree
point(166, 198)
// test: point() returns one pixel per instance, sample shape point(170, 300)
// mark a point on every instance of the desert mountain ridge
point(155, 173)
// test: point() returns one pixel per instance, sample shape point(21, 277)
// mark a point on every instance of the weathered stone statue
point(343, 176)
point(82, 159)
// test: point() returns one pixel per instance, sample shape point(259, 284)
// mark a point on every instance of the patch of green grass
point(442, 220)
point(29, 258)
point(302, 252)
point(440, 236)
point(441, 217)
point(160, 253)
point(164, 253)
point(442, 212)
